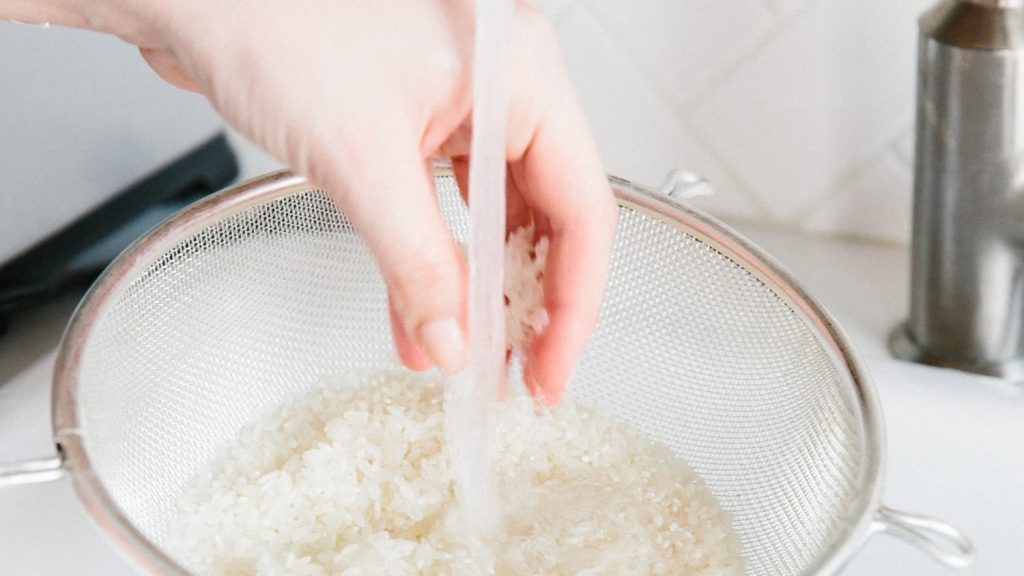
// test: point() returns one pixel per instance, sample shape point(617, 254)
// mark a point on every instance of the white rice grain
point(355, 479)
point(525, 258)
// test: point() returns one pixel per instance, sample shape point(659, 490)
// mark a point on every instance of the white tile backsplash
point(904, 146)
point(683, 46)
point(793, 108)
point(784, 7)
point(555, 9)
point(643, 138)
point(874, 203)
point(814, 101)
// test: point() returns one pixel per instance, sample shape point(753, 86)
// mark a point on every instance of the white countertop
point(955, 442)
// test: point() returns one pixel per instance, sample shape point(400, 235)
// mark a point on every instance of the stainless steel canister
point(967, 289)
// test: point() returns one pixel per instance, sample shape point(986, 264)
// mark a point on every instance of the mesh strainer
point(256, 293)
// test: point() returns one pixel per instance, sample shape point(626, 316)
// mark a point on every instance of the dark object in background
point(80, 251)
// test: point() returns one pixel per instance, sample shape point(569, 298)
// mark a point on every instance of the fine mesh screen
point(691, 348)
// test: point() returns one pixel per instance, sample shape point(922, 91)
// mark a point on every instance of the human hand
point(358, 96)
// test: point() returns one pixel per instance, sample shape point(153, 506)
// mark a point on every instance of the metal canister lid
point(976, 24)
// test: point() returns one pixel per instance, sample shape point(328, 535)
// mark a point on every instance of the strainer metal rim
point(130, 541)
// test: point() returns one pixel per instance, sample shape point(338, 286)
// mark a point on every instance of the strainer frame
point(867, 515)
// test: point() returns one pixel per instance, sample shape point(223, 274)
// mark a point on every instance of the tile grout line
point(745, 191)
point(845, 177)
point(624, 49)
point(568, 9)
point(783, 20)
point(773, 7)
point(877, 241)
point(897, 150)
point(781, 23)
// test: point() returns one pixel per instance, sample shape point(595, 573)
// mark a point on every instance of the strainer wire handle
point(684, 185)
point(32, 471)
point(939, 540)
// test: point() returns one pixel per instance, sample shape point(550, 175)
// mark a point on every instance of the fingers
point(560, 177)
point(386, 189)
point(409, 352)
point(460, 167)
point(556, 180)
point(517, 213)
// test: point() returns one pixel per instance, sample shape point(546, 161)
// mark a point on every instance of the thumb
point(386, 189)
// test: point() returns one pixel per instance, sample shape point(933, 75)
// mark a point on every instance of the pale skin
point(358, 96)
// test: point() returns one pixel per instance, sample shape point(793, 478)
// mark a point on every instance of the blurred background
point(800, 112)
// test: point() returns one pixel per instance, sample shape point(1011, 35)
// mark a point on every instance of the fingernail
point(444, 343)
point(551, 398)
point(541, 398)
point(548, 397)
